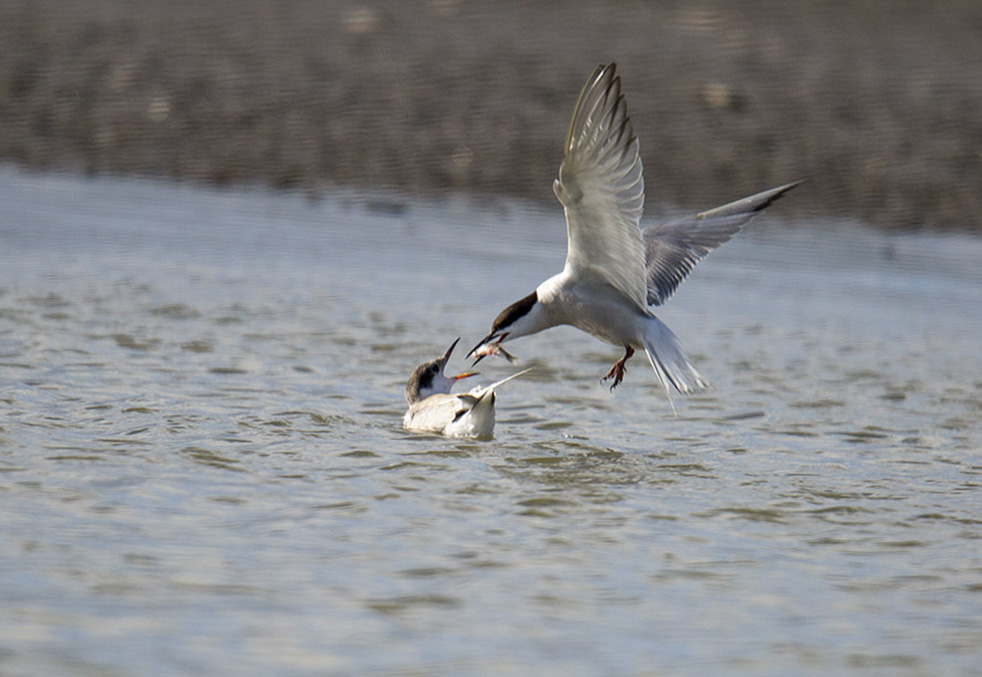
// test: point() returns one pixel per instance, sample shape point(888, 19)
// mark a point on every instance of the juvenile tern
point(613, 269)
point(428, 378)
point(432, 408)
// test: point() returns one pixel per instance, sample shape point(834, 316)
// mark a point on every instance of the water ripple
point(204, 460)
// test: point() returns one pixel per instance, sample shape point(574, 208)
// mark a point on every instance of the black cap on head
point(505, 319)
point(422, 379)
point(518, 309)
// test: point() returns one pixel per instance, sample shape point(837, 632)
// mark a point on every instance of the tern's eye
point(434, 369)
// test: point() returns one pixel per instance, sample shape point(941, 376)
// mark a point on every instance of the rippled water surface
point(203, 469)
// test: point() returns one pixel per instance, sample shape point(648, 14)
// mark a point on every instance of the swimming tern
point(432, 408)
point(613, 269)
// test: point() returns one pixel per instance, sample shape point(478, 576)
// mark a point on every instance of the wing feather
point(437, 411)
point(601, 188)
point(674, 248)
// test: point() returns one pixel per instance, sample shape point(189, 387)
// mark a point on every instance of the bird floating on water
point(432, 408)
point(613, 269)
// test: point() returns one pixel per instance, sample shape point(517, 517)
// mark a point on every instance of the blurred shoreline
point(877, 105)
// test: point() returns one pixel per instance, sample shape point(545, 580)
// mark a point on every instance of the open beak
point(491, 345)
point(446, 355)
point(483, 342)
point(446, 358)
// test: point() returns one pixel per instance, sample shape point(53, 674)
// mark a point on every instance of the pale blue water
point(203, 470)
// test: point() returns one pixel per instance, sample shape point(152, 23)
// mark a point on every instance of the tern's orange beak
point(466, 374)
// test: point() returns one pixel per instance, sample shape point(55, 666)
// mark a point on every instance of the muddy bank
point(878, 105)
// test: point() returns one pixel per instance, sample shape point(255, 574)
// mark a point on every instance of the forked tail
point(482, 417)
point(669, 361)
point(483, 392)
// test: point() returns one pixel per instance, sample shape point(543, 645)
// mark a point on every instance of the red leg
point(617, 371)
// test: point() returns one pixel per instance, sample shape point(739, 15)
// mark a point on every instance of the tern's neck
point(551, 289)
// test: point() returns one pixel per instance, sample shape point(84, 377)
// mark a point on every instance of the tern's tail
point(484, 394)
point(479, 419)
point(671, 365)
point(505, 380)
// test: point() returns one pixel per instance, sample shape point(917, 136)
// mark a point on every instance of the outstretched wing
point(601, 188)
point(674, 248)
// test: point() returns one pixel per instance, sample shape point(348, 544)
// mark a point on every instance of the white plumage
point(433, 409)
point(613, 270)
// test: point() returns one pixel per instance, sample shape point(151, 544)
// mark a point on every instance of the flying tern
point(613, 269)
point(432, 408)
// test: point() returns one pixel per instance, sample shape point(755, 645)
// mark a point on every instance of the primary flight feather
point(614, 271)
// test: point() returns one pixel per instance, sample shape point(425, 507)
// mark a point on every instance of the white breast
point(591, 304)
